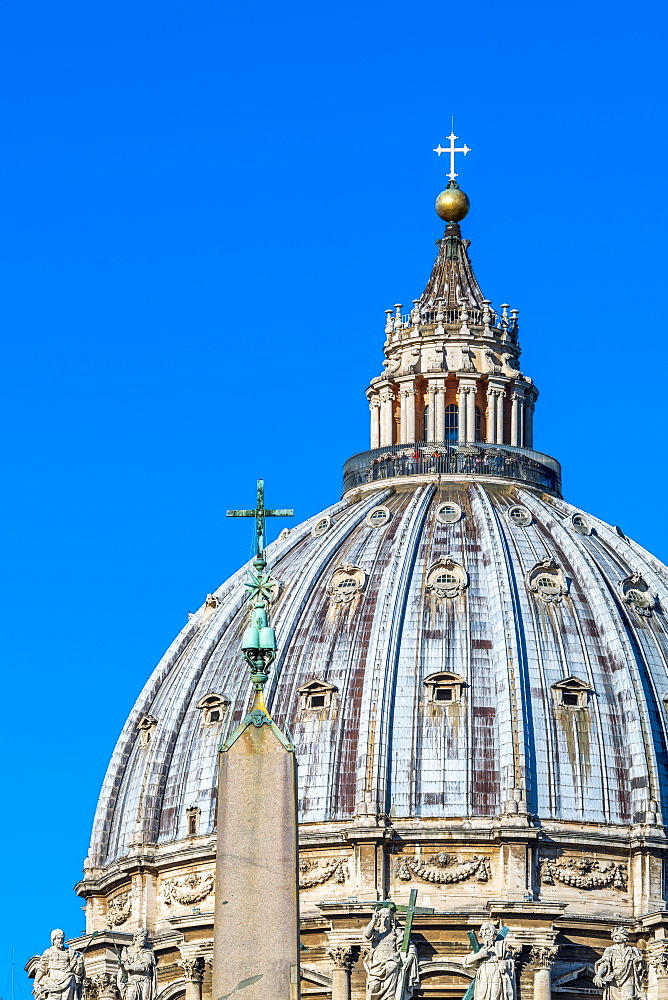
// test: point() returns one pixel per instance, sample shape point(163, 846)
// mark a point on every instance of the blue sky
point(205, 209)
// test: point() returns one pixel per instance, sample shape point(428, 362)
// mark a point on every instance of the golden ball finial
point(452, 204)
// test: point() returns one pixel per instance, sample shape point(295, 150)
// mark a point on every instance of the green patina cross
point(259, 514)
point(410, 912)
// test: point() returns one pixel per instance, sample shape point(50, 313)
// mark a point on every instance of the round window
point(519, 515)
point(321, 526)
point(447, 580)
point(448, 513)
point(378, 516)
point(580, 524)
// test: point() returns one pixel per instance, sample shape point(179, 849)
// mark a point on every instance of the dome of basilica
point(474, 674)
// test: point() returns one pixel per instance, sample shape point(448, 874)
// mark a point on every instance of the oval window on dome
point(519, 515)
point(347, 581)
point(446, 578)
point(580, 524)
point(377, 517)
point(322, 525)
point(449, 513)
point(548, 581)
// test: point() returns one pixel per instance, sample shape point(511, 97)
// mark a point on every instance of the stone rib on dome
point(383, 748)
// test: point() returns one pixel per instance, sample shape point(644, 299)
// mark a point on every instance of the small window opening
point(444, 687)
point(443, 694)
point(425, 423)
point(317, 696)
point(192, 821)
point(146, 727)
point(478, 424)
point(346, 583)
point(572, 693)
point(570, 699)
point(545, 583)
point(448, 513)
point(214, 715)
point(212, 707)
point(317, 701)
point(447, 580)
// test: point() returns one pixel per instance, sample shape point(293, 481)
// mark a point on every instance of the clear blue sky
point(206, 207)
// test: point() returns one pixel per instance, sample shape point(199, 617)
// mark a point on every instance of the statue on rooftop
point(495, 976)
point(619, 972)
point(391, 974)
point(137, 978)
point(60, 971)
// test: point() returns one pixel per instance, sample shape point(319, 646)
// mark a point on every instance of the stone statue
point(137, 979)
point(620, 970)
point(495, 976)
point(60, 971)
point(391, 975)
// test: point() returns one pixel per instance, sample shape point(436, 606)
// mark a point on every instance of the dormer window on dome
point(636, 593)
point(571, 693)
point(321, 526)
point(378, 517)
point(346, 583)
point(317, 696)
point(192, 820)
point(444, 688)
point(580, 525)
point(146, 727)
point(448, 513)
point(213, 708)
point(446, 578)
point(520, 515)
point(547, 581)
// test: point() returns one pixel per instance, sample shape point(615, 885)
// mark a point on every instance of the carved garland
point(119, 908)
point(192, 889)
point(584, 874)
point(443, 868)
point(316, 872)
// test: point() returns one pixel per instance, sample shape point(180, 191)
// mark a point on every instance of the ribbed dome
point(464, 600)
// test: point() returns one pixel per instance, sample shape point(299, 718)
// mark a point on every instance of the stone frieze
point(443, 868)
point(584, 873)
point(191, 889)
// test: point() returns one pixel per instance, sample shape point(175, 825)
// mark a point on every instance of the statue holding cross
point(494, 961)
point(391, 963)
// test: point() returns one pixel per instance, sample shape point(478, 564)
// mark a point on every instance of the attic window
point(321, 526)
point(580, 524)
point(444, 688)
point(519, 515)
point(146, 727)
point(449, 513)
point(572, 693)
point(192, 821)
point(378, 516)
point(317, 696)
point(213, 708)
point(548, 581)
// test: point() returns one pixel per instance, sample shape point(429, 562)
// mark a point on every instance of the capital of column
point(193, 969)
point(657, 956)
point(542, 956)
point(407, 392)
point(374, 403)
point(386, 395)
point(493, 391)
point(517, 394)
point(342, 956)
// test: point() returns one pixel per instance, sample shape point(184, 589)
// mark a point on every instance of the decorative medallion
point(321, 526)
point(119, 908)
point(547, 581)
point(191, 889)
point(443, 868)
point(446, 578)
point(346, 583)
point(317, 872)
point(584, 873)
point(636, 593)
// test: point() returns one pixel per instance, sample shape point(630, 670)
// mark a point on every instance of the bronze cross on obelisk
point(259, 514)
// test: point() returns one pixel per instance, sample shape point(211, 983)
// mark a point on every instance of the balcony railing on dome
point(469, 459)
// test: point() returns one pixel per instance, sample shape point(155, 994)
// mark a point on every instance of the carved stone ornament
point(636, 593)
point(189, 890)
point(547, 581)
point(542, 956)
point(101, 987)
point(446, 578)
point(584, 873)
point(313, 872)
point(443, 868)
point(346, 583)
point(193, 969)
point(119, 908)
point(657, 956)
point(342, 956)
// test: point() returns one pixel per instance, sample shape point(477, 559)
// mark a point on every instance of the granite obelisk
point(256, 922)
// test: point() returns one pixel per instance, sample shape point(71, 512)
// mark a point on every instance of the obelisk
point(256, 922)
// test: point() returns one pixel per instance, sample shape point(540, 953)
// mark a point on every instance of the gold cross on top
point(452, 149)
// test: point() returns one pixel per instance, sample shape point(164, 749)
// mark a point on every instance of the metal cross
point(259, 514)
point(452, 149)
point(410, 912)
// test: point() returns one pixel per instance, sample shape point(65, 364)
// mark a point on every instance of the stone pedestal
point(256, 921)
